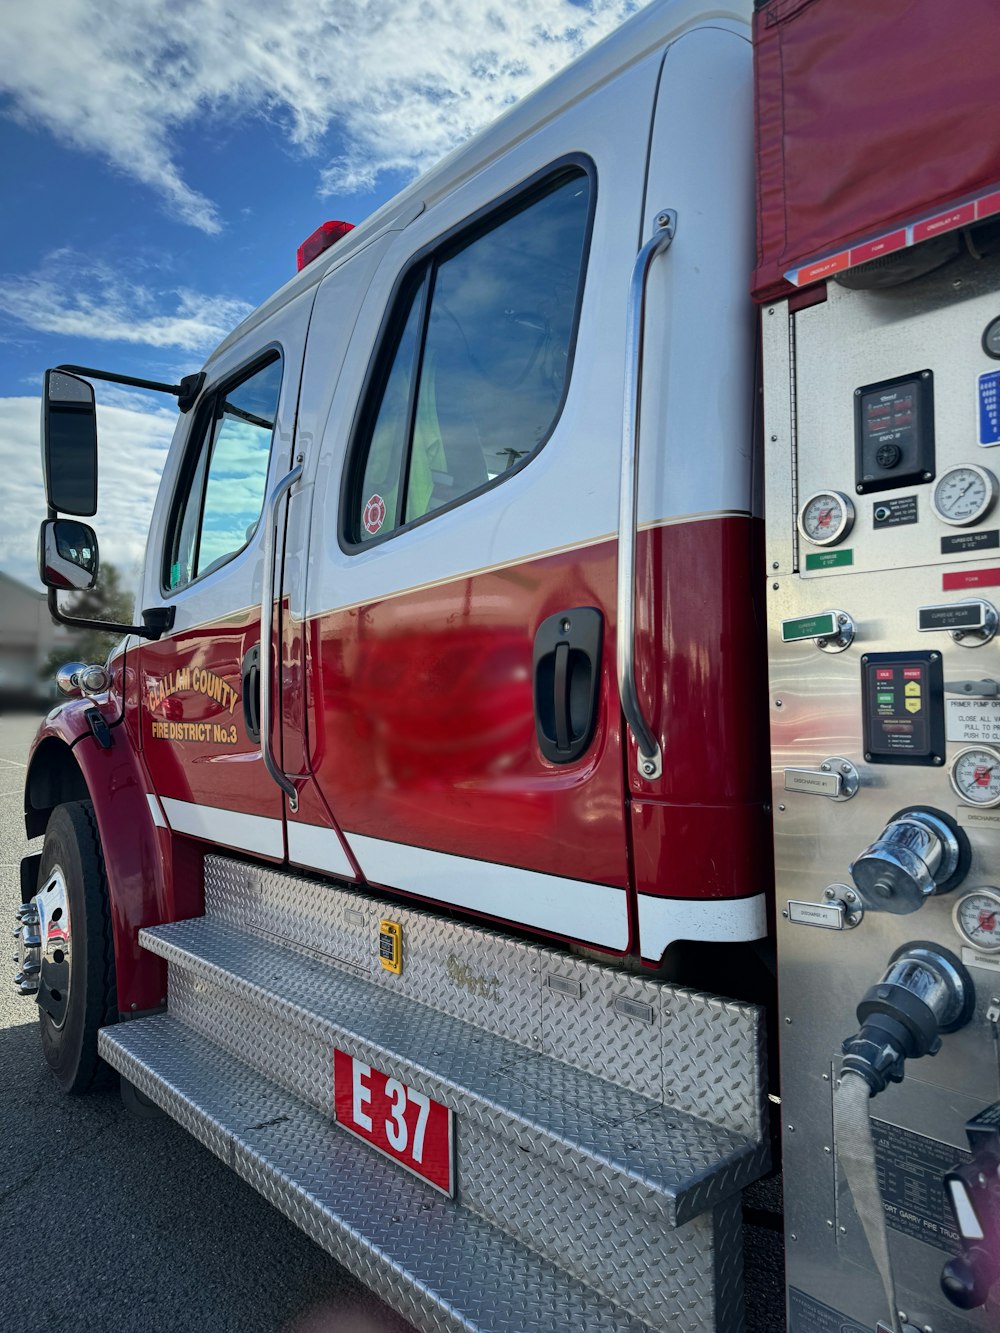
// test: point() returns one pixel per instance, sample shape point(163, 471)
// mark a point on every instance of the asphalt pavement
point(131, 1226)
point(125, 1225)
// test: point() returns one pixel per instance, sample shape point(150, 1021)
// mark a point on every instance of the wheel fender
point(144, 864)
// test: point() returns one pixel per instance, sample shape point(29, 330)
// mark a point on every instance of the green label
point(829, 559)
point(809, 627)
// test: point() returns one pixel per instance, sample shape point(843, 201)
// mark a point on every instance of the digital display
point(903, 703)
point(891, 416)
point(894, 433)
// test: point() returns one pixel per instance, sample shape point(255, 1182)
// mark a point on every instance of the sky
point(162, 162)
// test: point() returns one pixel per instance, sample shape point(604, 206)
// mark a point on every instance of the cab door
point(201, 682)
point(460, 627)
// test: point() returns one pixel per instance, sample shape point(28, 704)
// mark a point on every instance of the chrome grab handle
point(650, 760)
point(266, 615)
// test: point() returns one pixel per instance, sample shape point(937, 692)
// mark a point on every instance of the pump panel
point(887, 902)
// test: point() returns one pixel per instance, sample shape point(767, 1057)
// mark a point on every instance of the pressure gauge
point(826, 518)
point(977, 919)
point(964, 494)
point(975, 775)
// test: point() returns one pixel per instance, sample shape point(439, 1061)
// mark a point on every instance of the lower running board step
point(422, 1254)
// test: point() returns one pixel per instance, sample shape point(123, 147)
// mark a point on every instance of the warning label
point(911, 1169)
point(895, 513)
point(807, 1315)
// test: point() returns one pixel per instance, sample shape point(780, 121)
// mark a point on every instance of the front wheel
point(76, 992)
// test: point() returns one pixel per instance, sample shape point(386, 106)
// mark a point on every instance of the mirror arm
point(186, 392)
point(159, 620)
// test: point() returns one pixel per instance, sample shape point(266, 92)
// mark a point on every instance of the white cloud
point(401, 82)
point(76, 296)
point(133, 449)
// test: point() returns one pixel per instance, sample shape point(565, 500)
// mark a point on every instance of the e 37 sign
point(400, 1122)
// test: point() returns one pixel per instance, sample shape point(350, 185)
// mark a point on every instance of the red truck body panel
point(845, 153)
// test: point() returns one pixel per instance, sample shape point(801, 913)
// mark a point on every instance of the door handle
point(266, 615)
point(650, 759)
point(566, 673)
point(251, 692)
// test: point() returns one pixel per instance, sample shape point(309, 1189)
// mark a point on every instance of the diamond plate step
point(424, 1255)
point(633, 1199)
point(283, 1013)
point(698, 1053)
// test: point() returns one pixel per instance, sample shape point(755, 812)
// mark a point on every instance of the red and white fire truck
point(415, 851)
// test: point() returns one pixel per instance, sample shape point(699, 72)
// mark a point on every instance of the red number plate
point(411, 1128)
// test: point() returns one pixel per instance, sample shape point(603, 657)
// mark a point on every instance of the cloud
point(400, 82)
point(133, 449)
point(86, 299)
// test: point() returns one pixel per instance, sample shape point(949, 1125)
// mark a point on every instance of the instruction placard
point(973, 721)
point(989, 407)
point(911, 1168)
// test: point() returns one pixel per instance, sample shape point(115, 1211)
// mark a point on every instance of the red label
point(400, 1122)
point(970, 578)
point(989, 204)
point(374, 515)
point(823, 268)
point(885, 245)
point(911, 673)
point(883, 673)
point(955, 217)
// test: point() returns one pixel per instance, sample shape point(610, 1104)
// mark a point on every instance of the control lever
point(983, 689)
point(973, 1192)
point(920, 852)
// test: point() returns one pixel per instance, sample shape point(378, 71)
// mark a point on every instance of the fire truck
point(562, 679)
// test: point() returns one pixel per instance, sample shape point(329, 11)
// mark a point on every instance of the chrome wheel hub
point(43, 947)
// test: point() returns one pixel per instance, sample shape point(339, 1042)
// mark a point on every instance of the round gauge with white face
point(975, 775)
point(826, 518)
point(977, 919)
point(964, 494)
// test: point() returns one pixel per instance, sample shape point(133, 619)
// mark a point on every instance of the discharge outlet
point(919, 853)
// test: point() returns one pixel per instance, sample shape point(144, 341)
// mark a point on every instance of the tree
point(107, 601)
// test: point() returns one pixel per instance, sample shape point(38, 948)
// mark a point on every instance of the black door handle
point(251, 692)
point(566, 671)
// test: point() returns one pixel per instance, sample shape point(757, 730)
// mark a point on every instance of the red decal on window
point(374, 514)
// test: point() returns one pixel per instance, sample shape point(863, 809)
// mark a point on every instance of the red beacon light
point(329, 233)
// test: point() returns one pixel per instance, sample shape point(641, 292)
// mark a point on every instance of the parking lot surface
point(129, 1225)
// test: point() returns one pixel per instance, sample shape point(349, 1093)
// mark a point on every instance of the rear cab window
point(473, 364)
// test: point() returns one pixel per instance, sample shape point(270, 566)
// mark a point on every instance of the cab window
point(473, 371)
point(222, 488)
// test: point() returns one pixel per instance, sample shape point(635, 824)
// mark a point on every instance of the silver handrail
point(266, 616)
point(650, 759)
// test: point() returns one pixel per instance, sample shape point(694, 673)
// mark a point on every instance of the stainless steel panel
point(780, 486)
point(850, 340)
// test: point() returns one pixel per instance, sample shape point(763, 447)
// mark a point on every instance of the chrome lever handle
point(650, 759)
point(281, 489)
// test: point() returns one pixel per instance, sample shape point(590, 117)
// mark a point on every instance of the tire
point(72, 847)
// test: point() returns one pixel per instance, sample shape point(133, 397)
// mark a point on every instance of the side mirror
point(67, 554)
point(69, 444)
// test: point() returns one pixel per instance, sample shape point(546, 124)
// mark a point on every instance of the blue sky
point(162, 162)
